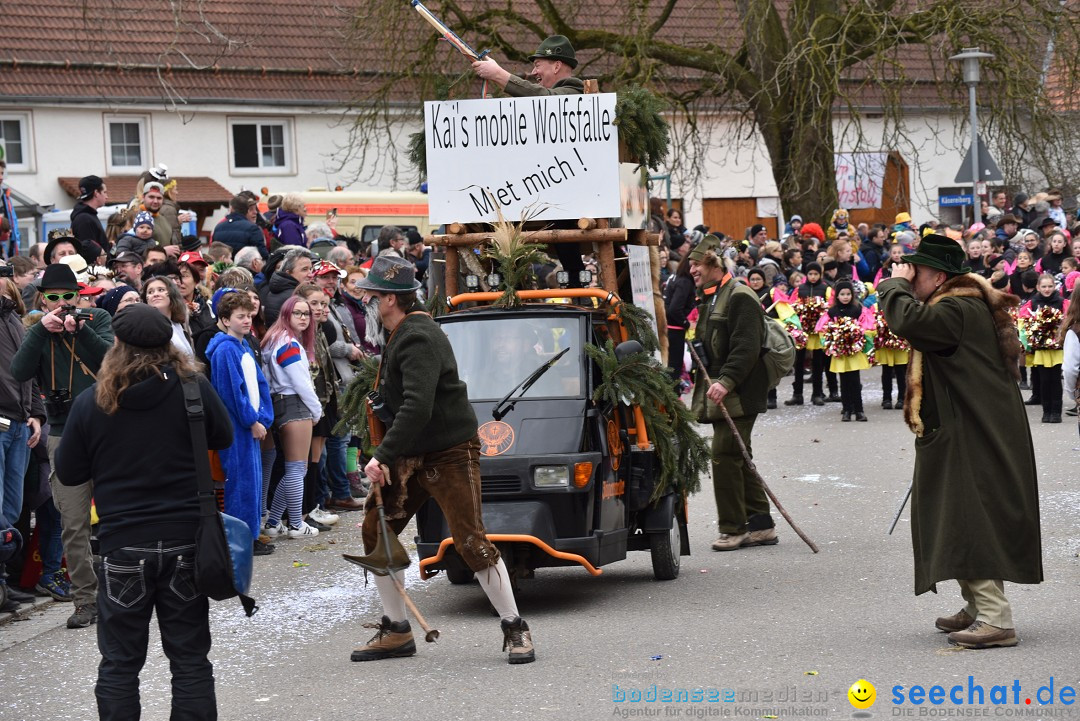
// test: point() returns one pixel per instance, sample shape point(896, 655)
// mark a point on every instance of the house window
point(15, 141)
point(126, 143)
point(261, 145)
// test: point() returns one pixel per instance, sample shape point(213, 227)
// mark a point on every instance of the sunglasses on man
point(53, 297)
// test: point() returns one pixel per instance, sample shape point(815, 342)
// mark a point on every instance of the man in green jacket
point(433, 451)
point(731, 329)
point(64, 354)
point(974, 497)
point(553, 67)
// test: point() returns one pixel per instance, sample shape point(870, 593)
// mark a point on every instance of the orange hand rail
point(492, 296)
point(509, 538)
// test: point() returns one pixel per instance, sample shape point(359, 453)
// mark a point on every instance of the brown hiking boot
point(729, 541)
point(956, 622)
point(518, 639)
point(390, 641)
point(983, 635)
point(763, 537)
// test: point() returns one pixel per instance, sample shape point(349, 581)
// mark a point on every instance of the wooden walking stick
point(748, 459)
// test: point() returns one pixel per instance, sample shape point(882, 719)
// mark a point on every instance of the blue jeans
point(14, 457)
point(49, 544)
point(135, 582)
point(336, 448)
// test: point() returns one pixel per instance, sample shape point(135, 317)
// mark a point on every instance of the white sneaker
point(275, 530)
point(323, 516)
point(305, 531)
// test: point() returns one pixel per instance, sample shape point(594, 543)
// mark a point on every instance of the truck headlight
point(551, 476)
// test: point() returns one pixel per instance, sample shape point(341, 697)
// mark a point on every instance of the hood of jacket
point(282, 283)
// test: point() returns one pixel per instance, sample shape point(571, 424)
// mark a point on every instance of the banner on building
point(557, 156)
point(859, 179)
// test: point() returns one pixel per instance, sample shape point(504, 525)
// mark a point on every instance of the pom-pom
point(809, 310)
point(797, 334)
point(1042, 329)
point(885, 338)
point(843, 337)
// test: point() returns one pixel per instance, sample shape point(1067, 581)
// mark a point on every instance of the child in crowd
point(1069, 337)
point(813, 287)
point(848, 358)
point(243, 389)
point(141, 236)
point(288, 345)
point(1042, 319)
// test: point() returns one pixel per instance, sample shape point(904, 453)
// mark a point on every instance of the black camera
point(58, 402)
point(378, 407)
point(79, 314)
point(7, 271)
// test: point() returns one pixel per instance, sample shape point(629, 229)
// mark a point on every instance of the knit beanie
point(143, 217)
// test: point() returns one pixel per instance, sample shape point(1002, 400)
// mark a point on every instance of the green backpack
point(778, 351)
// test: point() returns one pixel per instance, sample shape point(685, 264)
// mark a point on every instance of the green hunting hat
point(390, 274)
point(556, 47)
point(709, 242)
point(939, 252)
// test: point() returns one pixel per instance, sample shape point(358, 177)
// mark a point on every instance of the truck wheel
point(459, 576)
point(665, 550)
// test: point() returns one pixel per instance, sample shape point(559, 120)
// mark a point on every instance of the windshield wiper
point(497, 413)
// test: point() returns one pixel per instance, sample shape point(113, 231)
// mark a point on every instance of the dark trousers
point(1050, 389)
point(851, 392)
point(817, 367)
point(830, 377)
point(887, 374)
point(676, 339)
point(135, 582)
point(738, 493)
point(1036, 382)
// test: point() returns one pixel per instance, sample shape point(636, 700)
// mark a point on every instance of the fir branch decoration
point(638, 326)
point(683, 455)
point(514, 256)
point(418, 153)
point(352, 406)
point(436, 304)
point(642, 128)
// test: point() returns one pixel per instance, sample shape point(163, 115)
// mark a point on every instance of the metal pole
point(976, 208)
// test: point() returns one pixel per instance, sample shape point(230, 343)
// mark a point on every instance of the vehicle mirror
point(627, 348)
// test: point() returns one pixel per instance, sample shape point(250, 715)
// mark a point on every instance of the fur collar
point(968, 285)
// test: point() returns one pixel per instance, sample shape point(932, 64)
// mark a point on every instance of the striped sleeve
point(287, 354)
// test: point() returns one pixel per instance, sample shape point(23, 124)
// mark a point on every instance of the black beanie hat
point(142, 326)
point(112, 298)
point(813, 265)
point(844, 284)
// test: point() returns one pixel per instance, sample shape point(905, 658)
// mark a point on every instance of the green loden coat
point(731, 325)
point(975, 499)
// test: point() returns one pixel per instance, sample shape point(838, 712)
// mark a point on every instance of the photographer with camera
point(63, 351)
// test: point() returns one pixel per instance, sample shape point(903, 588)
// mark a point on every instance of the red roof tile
point(195, 189)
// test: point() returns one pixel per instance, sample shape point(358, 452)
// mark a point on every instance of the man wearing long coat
point(975, 505)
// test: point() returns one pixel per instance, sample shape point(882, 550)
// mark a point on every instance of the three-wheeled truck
point(565, 481)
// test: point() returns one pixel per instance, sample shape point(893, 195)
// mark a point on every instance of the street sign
point(949, 201)
point(988, 169)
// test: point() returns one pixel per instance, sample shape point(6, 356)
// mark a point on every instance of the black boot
point(1033, 401)
point(794, 401)
point(887, 404)
point(845, 416)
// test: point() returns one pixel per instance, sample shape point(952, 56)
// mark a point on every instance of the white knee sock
point(392, 601)
point(290, 494)
point(496, 584)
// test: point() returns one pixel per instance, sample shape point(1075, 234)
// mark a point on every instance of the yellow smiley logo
point(862, 694)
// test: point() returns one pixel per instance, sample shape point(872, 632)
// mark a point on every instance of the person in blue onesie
point(239, 381)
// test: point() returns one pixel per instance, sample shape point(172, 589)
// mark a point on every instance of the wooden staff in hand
point(746, 455)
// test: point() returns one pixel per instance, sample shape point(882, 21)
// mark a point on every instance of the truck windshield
point(495, 355)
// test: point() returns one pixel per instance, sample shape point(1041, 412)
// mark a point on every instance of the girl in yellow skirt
point(1040, 320)
point(891, 352)
point(846, 333)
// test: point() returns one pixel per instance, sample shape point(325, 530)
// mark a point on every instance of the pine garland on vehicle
point(352, 406)
point(418, 153)
point(638, 326)
point(639, 380)
point(642, 127)
point(436, 304)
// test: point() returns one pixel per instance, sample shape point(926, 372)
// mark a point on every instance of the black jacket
point(141, 495)
point(86, 226)
point(19, 400)
point(275, 293)
point(678, 301)
point(237, 232)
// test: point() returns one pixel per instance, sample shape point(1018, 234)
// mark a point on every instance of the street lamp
point(970, 58)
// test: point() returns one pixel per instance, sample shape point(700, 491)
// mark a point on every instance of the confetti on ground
point(769, 716)
point(299, 564)
point(704, 570)
point(316, 547)
point(657, 657)
point(809, 673)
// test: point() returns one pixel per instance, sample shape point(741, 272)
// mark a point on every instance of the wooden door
point(733, 216)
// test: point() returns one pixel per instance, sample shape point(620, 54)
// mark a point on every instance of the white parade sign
point(556, 155)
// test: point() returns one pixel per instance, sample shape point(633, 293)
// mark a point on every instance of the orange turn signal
point(582, 474)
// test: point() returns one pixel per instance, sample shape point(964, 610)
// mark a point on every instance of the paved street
point(767, 623)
